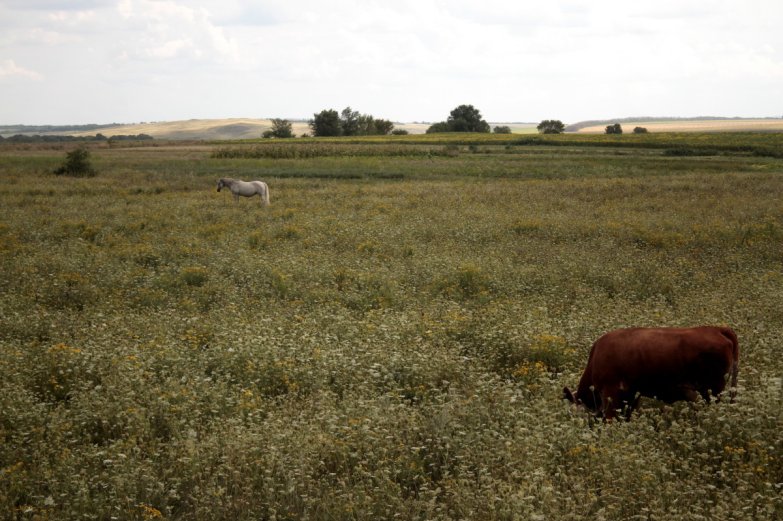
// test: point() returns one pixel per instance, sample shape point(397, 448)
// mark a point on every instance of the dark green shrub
point(77, 164)
point(686, 151)
point(194, 276)
point(281, 128)
point(551, 126)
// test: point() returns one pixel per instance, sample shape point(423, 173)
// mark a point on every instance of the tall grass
point(729, 141)
point(317, 149)
point(388, 338)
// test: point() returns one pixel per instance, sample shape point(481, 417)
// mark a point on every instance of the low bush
point(77, 164)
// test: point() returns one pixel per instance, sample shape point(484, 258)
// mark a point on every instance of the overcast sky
point(126, 61)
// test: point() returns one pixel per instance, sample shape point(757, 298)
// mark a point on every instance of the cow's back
point(669, 364)
point(665, 363)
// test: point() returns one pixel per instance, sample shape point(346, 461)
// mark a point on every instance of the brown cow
point(668, 364)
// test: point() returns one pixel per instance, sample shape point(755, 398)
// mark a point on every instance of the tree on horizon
point(326, 123)
point(551, 126)
point(281, 128)
point(464, 118)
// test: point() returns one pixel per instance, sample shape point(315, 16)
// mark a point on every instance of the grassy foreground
point(389, 339)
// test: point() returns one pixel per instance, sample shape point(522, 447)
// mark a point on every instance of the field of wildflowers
point(390, 337)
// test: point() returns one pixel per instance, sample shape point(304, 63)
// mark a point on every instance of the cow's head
point(584, 398)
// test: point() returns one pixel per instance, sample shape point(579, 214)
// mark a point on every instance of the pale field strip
point(722, 125)
point(230, 128)
point(242, 128)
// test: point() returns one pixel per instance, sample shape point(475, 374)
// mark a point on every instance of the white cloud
point(402, 60)
point(167, 30)
point(55, 5)
point(9, 69)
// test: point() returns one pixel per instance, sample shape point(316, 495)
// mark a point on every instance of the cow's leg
point(692, 394)
point(633, 404)
point(610, 402)
point(619, 398)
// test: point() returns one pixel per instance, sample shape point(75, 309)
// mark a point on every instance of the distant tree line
point(616, 128)
point(467, 118)
point(37, 129)
point(37, 138)
point(131, 137)
point(349, 122)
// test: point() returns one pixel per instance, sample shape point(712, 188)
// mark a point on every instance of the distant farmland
point(698, 125)
point(247, 128)
point(253, 128)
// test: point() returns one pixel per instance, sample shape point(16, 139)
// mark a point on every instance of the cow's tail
point(732, 336)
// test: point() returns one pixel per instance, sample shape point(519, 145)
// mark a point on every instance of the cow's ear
point(568, 395)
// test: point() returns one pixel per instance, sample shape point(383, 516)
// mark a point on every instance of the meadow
point(389, 339)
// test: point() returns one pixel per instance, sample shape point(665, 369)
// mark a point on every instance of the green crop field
point(389, 339)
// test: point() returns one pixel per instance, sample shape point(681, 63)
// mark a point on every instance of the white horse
point(245, 188)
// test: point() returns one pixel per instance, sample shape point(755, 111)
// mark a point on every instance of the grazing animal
point(245, 188)
point(668, 364)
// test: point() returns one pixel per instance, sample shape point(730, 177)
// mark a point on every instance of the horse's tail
point(265, 197)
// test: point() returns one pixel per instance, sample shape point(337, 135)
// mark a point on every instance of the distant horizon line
point(88, 126)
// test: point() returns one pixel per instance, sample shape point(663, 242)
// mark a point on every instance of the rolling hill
point(253, 128)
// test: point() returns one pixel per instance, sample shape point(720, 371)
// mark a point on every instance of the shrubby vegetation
point(464, 118)
point(281, 128)
point(389, 338)
point(453, 144)
point(77, 164)
point(348, 123)
point(36, 138)
point(326, 123)
point(614, 128)
point(37, 129)
point(551, 126)
point(321, 149)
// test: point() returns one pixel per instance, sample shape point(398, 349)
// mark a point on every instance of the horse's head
point(221, 184)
